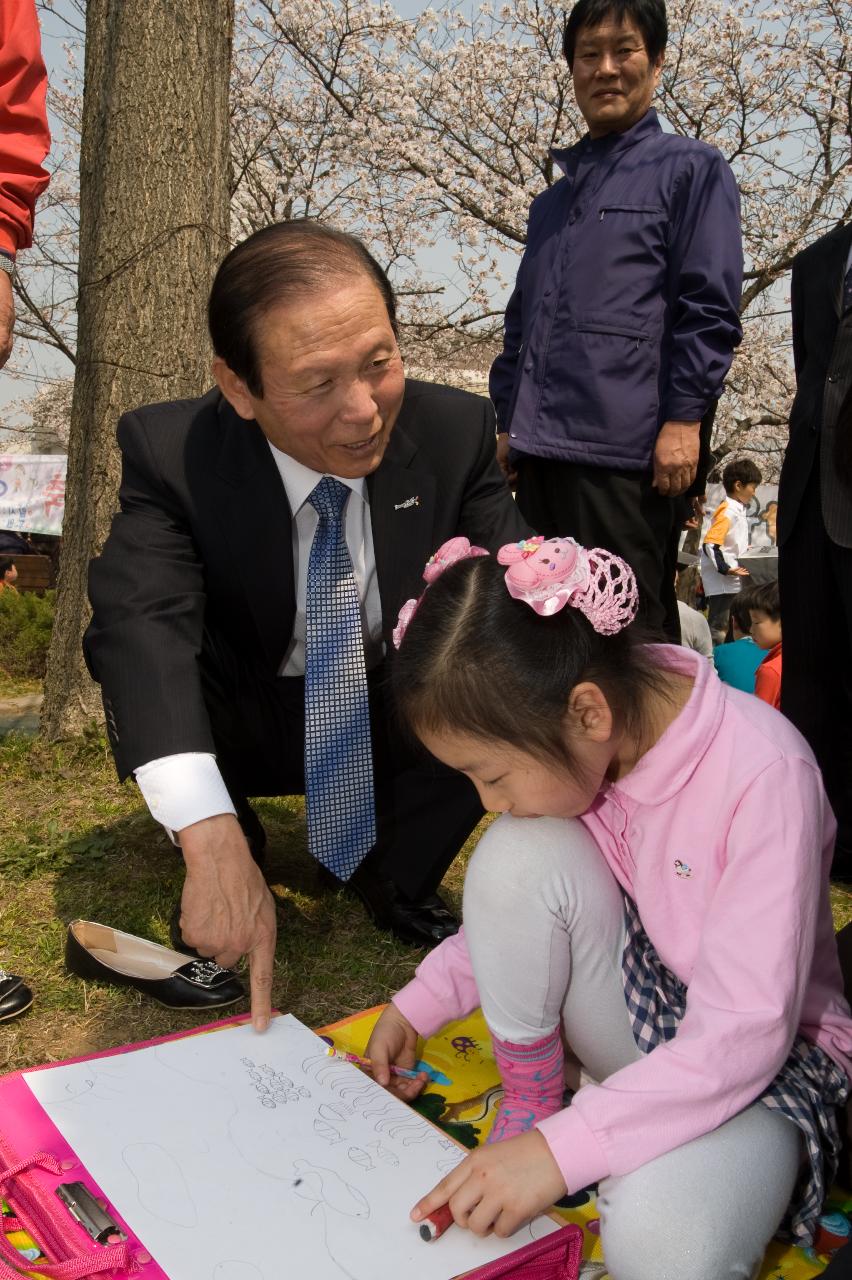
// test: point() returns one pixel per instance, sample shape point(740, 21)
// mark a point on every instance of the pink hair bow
point(548, 573)
point(448, 553)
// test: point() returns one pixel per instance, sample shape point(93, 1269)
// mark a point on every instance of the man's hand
point(503, 459)
point(676, 457)
point(7, 317)
point(394, 1040)
point(498, 1188)
point(226, 909)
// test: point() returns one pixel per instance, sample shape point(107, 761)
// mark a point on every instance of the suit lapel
point(402, 509)
point(258, 527)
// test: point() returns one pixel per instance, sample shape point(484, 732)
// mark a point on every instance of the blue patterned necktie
point(847, 291)
point(338, 751)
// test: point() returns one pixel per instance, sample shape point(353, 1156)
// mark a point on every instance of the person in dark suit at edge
point(226, 676)
point(815, 523)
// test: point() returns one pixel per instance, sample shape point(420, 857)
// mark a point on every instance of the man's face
point(614, 79)
point(332, 379)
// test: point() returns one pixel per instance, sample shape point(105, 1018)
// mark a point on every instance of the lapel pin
point(409, 502)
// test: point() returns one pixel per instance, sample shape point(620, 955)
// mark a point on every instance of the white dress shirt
point(184, 788)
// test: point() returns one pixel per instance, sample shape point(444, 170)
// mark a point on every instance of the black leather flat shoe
point(15, 996)
point(421, 923)
point(94, 951)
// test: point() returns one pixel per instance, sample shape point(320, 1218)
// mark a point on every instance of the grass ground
point(76, 842)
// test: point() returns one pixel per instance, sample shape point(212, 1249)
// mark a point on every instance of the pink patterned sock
point(532, 1083)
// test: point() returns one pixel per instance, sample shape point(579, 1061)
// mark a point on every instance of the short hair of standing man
point(649, 16)
point(275, 265)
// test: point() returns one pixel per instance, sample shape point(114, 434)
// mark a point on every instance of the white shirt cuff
point(183, 789)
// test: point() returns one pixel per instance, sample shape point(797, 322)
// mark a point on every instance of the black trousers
point(424, 811)
point(618, 510)
point(815, 580)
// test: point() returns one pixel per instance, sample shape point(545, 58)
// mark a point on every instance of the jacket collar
point(611, 144)
point(402, 500)
point(665, 770)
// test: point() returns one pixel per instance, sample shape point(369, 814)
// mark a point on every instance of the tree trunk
point(153, 226)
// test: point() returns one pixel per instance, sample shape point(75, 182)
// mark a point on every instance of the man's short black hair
point(648, 15)
point(6, 563)
point(742, 469)
point(276, 265)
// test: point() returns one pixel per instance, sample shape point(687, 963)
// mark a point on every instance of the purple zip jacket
point(625, 310)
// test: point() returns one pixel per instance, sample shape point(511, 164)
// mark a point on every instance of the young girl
point(655, 895)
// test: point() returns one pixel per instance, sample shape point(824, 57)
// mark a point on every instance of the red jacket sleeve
point(767, 683)
point(24, 135)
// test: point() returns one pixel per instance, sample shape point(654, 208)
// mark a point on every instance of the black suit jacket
point(199, 488)
point(822, 350)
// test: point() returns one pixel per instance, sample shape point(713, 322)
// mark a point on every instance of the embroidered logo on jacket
point(682, 869)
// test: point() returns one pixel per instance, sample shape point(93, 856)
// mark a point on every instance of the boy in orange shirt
point(764, 606)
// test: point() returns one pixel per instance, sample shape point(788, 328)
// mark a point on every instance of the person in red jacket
point(764, 605)
point(24, 143)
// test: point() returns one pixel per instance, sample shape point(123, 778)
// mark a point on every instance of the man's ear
point(588, 713)
point(233, 389)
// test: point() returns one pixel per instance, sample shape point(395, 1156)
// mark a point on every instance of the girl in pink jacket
point(655, 895)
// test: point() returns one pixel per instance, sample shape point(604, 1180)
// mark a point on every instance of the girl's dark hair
point(478, 662)
point(649, 16)
point(274, 266)
point(741, 612)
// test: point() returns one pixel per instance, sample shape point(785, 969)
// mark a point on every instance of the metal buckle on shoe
point(203, 973)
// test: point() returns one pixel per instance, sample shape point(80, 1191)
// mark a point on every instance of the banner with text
point(32, 492)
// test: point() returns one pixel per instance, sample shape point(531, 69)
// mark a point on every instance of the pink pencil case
point(555, 1257)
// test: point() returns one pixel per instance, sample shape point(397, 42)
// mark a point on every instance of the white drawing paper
point(236, 1156)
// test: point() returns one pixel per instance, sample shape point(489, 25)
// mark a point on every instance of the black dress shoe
point(422, 923)
point(15, 996)
point(94, 951)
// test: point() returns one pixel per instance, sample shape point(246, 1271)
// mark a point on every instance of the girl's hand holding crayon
point(394, 1040)
point(498, 1188)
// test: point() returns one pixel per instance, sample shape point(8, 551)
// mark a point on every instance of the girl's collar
point(667, 766)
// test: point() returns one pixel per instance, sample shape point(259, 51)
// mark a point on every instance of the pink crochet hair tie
point(548, 573)
point(448, 553)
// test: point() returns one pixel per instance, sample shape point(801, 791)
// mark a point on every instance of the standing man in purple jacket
point(624, 317)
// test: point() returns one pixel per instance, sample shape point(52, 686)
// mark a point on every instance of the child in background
point(725, 541)
point(655, 894)
point(737, 660)
point(764, 605)
point(8, 574)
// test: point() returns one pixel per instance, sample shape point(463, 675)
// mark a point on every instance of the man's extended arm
point(147, 593)
point(705, 288)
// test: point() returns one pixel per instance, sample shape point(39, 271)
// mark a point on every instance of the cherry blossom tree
point(457, 113)
point(431, 136)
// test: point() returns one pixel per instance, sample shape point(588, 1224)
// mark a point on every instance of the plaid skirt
point(808, 1089)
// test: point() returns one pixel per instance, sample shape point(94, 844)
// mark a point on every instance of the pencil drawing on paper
point(238, 1157)
point(160, 1184)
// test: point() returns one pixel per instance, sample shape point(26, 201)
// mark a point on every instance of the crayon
point(365, 1062)
point(435, 1224)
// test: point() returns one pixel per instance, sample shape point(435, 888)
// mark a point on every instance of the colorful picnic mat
point(463, 1100)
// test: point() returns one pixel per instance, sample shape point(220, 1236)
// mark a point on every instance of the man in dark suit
point(222, 676)
point(815, 523)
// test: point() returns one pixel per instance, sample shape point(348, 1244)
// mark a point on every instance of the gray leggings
point(544, 920)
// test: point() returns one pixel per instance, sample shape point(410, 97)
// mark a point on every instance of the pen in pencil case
point(365, 1062)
